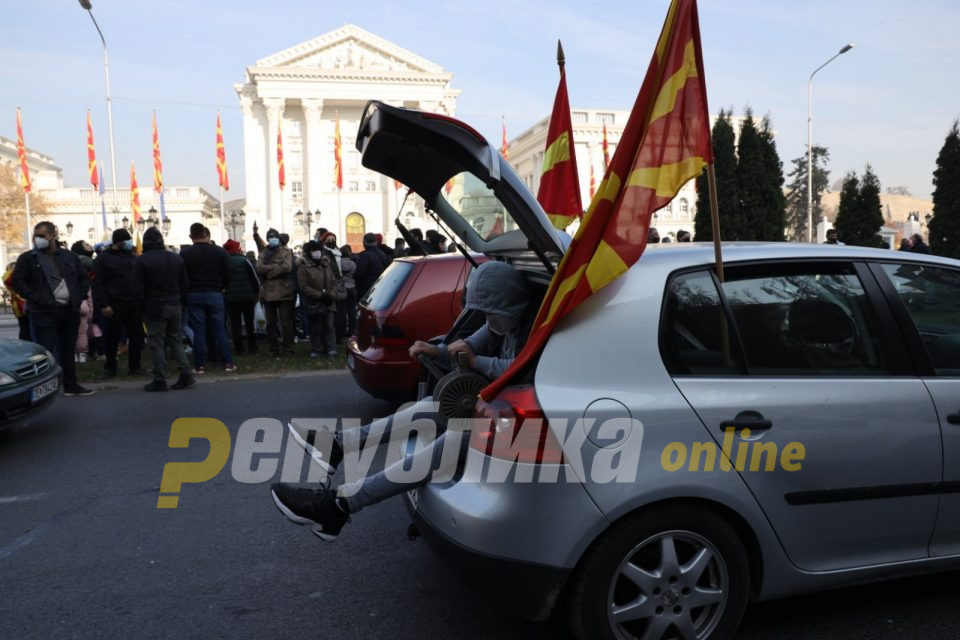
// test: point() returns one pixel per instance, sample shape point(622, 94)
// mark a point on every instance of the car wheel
point(673, 572)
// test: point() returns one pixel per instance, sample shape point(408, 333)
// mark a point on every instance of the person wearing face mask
point(275, 268)
point(54, 283)
point(495, 289)
point(114, 294)
point(317, 297)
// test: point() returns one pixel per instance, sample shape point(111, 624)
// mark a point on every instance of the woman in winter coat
point(318, 286)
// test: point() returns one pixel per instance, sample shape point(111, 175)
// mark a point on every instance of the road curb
point(209, 379)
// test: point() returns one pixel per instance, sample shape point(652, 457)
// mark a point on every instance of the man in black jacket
point(208, 270)
point(53, 283)
point(113, 293)
point(160, 285)
point(370, 264)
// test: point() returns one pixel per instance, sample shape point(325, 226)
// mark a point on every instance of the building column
point(275, 217)
point(314, 149)
point(253, 159)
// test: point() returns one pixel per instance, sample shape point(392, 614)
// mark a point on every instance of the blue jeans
point(206, 308)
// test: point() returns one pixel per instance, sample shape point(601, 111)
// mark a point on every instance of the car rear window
point(384, 291)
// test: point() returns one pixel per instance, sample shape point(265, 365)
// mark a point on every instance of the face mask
point(40, 243)
point(273, 242)
point(128, 245)
point(331, 243)
point(316, 255)
point(499, 324)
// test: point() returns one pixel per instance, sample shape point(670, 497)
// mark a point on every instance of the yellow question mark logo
point(176, 473)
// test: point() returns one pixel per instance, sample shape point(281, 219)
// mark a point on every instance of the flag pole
point(223, 225)
point(715, 219)
point(26, 205)
point(340, 230)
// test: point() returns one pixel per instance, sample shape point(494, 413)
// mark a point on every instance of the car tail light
point(391, 335)
point(502, 433)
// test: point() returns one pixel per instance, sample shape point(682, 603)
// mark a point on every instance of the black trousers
point(126, 315)
point(242, 312)
point(283, 309)
point(57, 331)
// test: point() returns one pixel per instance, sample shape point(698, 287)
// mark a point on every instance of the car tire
point(704, 601)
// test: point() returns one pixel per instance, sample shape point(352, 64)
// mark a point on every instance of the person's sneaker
point(322, 445)
point(156, 385)
point(185, 380)
point(331, 354)
point(77, 390)
point(229, 368)
point(314, 354)
point(199, 371)
point(316, 508)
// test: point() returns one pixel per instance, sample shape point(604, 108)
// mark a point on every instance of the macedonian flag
point(22, 156)
point(92, 155)
point(559, 192)
point(665, 143)
point(134, 194)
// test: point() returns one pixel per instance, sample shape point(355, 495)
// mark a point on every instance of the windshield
point(386, 288)
point(478, 204)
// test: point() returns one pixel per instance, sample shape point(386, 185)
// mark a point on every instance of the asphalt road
point(84, 552)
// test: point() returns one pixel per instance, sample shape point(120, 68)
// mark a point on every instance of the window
point(183, 193)
point(579, 117)
point(296, 189)
point(804, 320)
point(91, 234)
point(354, 186)
point(605, 118)
point(371, 185)
point(684, 208)
point(693, 340)
point(932, 298)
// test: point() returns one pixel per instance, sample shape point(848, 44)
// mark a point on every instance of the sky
point(890, 101)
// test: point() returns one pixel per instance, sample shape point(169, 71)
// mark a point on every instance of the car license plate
point(350, 362)
point(41, 391)
point(414, 497)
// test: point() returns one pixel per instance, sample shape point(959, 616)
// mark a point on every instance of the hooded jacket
point(113, 281)
point(495, 288)
point(159, 276)
point(275, 268)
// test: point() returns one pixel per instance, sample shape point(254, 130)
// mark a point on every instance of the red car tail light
point(513, 427)
point(391, 335)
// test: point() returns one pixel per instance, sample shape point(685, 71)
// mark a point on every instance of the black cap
point(119, 235)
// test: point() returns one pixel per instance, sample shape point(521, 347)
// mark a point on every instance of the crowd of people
point(89, 302)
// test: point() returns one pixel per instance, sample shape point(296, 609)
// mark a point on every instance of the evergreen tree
point(860, 215)
point(796, 214)
point(771, 218)
point(725, 166)
point(750, 183)
point(944, 226)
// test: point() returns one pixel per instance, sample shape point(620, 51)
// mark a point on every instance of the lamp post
point(125, 222)
point(237, 224)
point(69, 229)
point(810, 140)
point(152, 219)
point(85, 4)
point(166, 224)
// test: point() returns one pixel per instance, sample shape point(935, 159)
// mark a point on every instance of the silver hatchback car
point(794, 428)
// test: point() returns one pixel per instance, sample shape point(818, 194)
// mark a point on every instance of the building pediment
point(349, 48)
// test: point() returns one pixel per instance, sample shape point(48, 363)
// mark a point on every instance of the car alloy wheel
point(673, 584)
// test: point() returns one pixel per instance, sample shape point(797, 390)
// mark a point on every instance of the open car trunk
point(463, 179)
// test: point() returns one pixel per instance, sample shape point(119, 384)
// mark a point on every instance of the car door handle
point(752, 420)
point(953, 418)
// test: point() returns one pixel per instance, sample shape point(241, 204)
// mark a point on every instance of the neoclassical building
point(304, 91)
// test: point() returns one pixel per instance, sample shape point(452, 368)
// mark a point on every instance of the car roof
point(689, 254)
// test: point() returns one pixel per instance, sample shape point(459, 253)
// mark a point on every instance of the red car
point(416, 298)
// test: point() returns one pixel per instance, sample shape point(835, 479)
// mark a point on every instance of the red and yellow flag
point(503, 138)
point(157, 162)
point(222, 176)
point(593, 182)
point(665, 143)
point(134, 194)
point(281, 173)
point(92, 155)
point(22, 156)
point(606, 150)
point(559, 192)
point(337, 156)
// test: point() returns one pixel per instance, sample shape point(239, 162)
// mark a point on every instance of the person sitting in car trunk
point(495, 289)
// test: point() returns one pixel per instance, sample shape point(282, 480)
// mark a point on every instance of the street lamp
point(85, 4)
point(126, 223)
point(237, 224)
point(69, 229)
point(152, 220)
point(140, 224)
point(810, 140)
point(166, 224)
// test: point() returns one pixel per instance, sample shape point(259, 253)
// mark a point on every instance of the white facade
point(305, 90)
point(525, 153)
